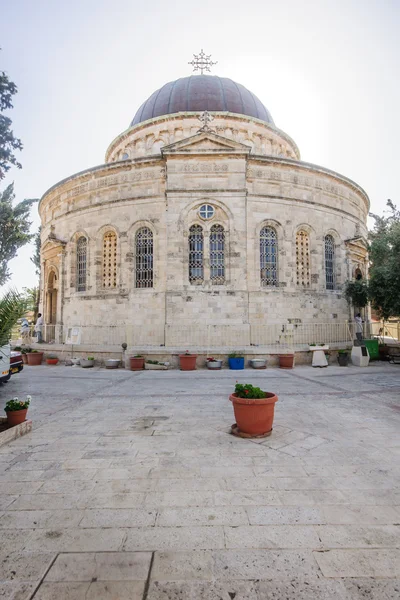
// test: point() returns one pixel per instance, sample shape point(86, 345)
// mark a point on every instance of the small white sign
point(74, 336)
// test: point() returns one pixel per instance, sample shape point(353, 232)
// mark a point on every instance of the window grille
point(303, 258)
point(196, 254)
point(144, 258)
point(217, 254)
point(268, 256)
point(81, 259)
point(110, 260)
point(330, 262)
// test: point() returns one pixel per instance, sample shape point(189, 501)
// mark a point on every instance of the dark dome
point(202, 92)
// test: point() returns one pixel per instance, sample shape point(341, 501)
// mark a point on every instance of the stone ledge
point(8, 435)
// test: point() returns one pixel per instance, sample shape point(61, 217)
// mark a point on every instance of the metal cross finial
point(202, 62)
point(205, 118)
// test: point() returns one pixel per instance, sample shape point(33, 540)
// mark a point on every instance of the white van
point(5, 372)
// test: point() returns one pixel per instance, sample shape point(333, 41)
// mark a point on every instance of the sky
point(327, 70)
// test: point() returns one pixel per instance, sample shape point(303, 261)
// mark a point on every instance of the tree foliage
point(8, 142)
point(36, 257)
point(357, 292)
point(32, 299)
point(14, 228)
point(12, 307)
point(384, 274)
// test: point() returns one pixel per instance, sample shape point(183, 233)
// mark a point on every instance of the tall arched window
point(268, 256)
point(329, 262)
point(196, 254)
point(144, 258)
point(81, 260)
point(303, 258)
point(110, 260)
point(217, 254)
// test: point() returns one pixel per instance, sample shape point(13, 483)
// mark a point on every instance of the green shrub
point(16, 404)
point(246, 390)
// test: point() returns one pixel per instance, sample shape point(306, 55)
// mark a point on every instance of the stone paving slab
point(138, 470)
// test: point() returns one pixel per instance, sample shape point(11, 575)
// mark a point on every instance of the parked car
point(5, 373)
point(16, 362)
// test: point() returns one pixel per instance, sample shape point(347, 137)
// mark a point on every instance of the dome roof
point(198, 93)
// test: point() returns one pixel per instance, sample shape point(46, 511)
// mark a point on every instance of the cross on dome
point(202, 62)
point(206, 119)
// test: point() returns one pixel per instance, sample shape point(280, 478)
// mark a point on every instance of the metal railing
point(272, 336)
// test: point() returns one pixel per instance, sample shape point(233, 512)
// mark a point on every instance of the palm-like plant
point(12, 307)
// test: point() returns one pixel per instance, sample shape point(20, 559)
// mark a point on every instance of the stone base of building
point(171, 354)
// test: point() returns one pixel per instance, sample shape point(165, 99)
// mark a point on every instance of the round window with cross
point(206, 211)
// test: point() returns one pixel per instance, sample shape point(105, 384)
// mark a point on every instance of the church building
point(203, 228)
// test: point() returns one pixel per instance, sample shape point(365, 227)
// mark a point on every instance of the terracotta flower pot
point(34, 358)
point(187, 362)
point(16, 417)
point(137, 364)
point(51, 361)
point(254, 416)
point(25, 359)
point(286, 361)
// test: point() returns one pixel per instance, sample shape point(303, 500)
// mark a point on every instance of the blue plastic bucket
point(236, 363)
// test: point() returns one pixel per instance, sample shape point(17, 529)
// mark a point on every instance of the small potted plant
point(137, 362)
point(343, 357)
point(88, 362)
point(286, 357)
point(34, 358)
point(258, 363)
point(254, 409)
point(187, 361)
point(236, 361)
point(214, 364)
point(16, 411)
point(51, 359)
point(24, 352)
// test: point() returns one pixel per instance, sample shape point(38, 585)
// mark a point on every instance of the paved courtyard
point(129, 487)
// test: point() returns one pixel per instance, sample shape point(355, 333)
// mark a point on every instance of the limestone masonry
point(192, 223)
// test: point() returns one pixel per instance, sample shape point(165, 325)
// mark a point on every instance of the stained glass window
point(268, 256)
point(217, 254)
point(144, 258)
point(196, 254)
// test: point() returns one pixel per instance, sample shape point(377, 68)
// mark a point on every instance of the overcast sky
point(327, 70)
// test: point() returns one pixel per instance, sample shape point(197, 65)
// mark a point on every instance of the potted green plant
point(214, 364)
point(254, 409)
point(16, 410)
point(155, 365)
point(236, 361)
point(24, 352)
point(343, 357)
point(187, 361)
point(137, 362)
point(286, 356)
point(34, 358)
point(88, 362)
point(51, 359)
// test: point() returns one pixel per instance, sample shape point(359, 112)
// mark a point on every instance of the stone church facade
point(195, 226)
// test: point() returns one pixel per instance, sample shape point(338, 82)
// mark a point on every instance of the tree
point(356, 292)
point(32, 298)
point(36, 257)
point(12, 308)
point(384, 274)
point(14, 228)
point(8, 142)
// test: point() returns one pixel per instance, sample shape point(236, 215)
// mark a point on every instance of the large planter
point(34, 358)
point(187, 362)
point(86, 363)
point(151, 367)
point(236, 364)
point(137, 364)
point(24, 359)
point(343, 359)
point(16, 417)
point(51, 361)
point(258, 363)
point(254, 416)
point(214, 365)
point(286, 361)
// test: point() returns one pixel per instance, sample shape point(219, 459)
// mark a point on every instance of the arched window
point(217, 254)
point(196, 254)
point(268, 256)
point(303, 258)
point(358, 274)
point(144, 258)
point(110, 260)
point(81, 260)
point(329, 262)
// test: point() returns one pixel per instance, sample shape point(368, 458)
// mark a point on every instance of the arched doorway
point(51, 306)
